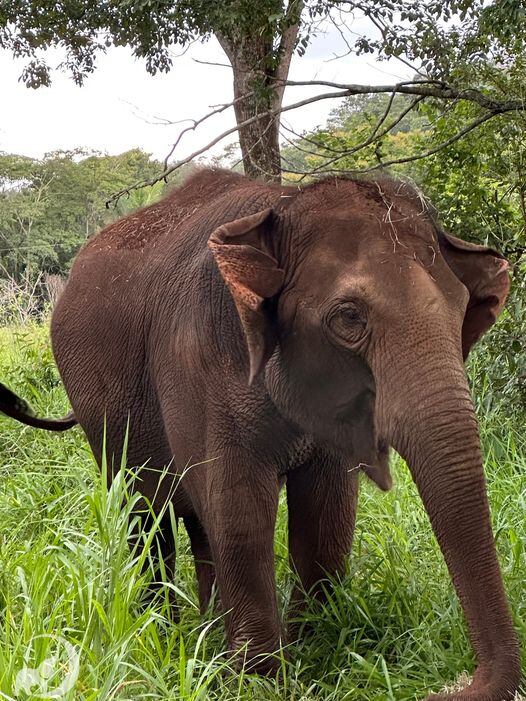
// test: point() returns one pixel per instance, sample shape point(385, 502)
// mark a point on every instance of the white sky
point(110, 113)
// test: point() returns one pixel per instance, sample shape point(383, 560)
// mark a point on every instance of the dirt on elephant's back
point(143, 227)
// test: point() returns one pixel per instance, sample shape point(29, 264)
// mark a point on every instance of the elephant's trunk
point(434, 428)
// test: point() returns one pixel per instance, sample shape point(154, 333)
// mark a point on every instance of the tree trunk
point(258, 71)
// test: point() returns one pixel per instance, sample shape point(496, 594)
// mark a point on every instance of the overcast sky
point(115, 108)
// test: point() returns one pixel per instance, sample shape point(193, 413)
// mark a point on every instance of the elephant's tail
point(16, 408)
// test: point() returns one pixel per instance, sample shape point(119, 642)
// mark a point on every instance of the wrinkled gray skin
point(269, 334)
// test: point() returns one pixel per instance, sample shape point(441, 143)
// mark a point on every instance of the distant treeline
point(49, 207)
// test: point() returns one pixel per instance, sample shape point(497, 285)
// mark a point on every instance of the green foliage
point(345, 142)
point(462, 42)
point(478, 185)
point(26, 362)
point(479, 182)
point(450, 39)
point(49, 207)
point(149, 27)
point(392, 628)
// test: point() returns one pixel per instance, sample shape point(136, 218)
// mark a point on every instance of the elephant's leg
point(166, 544)
point(204, 565)
point(162, 550)
point(242, 503)
point(322, 497)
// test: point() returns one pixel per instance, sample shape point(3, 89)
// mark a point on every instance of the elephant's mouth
point(379, 472)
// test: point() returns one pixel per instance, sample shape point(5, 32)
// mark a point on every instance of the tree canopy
point(460, 50)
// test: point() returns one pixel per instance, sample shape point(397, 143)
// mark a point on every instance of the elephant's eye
point(348, 320)
point(351, 313)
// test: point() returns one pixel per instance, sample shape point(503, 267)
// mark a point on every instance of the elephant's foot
point(258, 658)
point(482, 688)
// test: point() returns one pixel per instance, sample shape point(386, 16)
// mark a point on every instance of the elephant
point(269, 335)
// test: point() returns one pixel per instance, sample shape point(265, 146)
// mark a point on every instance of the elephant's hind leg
point(161, 557)
point(204, 565)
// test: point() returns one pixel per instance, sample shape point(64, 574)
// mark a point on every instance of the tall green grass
point(391, 629)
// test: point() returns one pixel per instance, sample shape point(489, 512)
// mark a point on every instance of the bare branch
point(153, 119)
point(343, 152)
point(425, 88)
point(256, 118)
point(309, 140)
point(384, 115)
point(338, 28)
point(407, 159)
point(294, 144)
point(211, 63)
point(373, 138)
point(196, 123)
point(419, 88)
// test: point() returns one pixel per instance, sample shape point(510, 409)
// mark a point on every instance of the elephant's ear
point(243, 252)
point(484, 272)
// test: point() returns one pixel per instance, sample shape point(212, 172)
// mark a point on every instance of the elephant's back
point(171, 216)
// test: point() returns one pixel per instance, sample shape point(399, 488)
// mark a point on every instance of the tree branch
point(419, 88)
point(408, 159)
point(216, 140)
point(198, 122)
point(374, 137)
point(424, 88)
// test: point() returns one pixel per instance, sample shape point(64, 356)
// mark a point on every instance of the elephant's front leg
point(322, 497)
point(241, 510)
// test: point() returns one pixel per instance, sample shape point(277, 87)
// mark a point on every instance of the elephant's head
point(360, 311)
point(369, 307)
